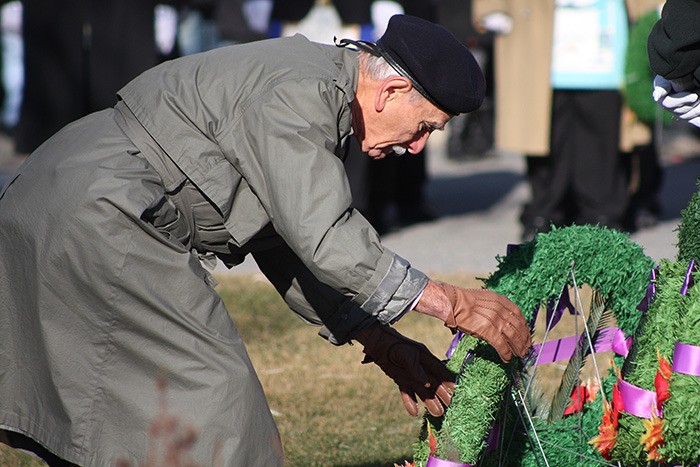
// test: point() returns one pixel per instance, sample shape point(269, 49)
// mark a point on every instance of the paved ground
point(479, 202)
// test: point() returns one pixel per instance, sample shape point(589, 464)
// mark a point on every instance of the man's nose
point(417, 145)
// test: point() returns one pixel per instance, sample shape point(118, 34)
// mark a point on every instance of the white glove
point(685, 105)
point(498, 23)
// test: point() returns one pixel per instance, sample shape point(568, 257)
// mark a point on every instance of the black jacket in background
point(674, 43)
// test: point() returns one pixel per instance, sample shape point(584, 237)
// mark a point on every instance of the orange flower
point(653, 438)
point(406, 464)
point(607, 431)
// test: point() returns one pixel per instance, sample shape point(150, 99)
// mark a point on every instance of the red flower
point(580, 396)
point(617, 404)
point(432, 441)
point(662, 381)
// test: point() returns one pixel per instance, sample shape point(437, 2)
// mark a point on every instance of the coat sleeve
point(315, 302)
point(284, 146)
point(674, 42)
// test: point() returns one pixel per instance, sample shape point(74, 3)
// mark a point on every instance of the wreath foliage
point(532, 276)
point(681, 429)
point(689, 229)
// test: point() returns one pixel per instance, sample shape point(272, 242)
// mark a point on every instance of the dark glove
point(413, 368)
point(489, 316)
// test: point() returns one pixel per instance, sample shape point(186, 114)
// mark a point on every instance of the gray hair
point(377, 68)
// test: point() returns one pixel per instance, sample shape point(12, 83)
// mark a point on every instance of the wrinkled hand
point(489, 316)
point(413, 368)
point(685, 105)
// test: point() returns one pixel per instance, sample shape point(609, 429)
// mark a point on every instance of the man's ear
point(391, 88)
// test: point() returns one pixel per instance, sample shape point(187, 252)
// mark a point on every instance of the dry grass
point(12, 458)
point(330, 409)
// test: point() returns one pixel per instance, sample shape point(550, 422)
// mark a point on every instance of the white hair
point(377, 68)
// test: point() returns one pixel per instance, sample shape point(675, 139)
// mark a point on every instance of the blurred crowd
point(568, 88)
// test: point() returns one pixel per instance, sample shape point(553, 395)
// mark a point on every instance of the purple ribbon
point(553, 351)
point(555, 310)
point(686, 359)
point(554, 314)
point(651, 291)
point(618, 343)
point(562, 349)
point(494, 437)
point(511, 247)
point(688, 281)
point(453, 346)
point(637, 401)
point(435, 462)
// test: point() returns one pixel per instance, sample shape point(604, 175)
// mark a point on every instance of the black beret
point(440, 67)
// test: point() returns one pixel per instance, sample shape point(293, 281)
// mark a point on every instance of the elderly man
point(105, 231)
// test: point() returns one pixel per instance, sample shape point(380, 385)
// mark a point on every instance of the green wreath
point(673, 317)
point(534, 275)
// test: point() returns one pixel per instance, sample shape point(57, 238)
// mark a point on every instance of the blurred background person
point(12, 60)
point(559, 67)
point(208, 24)
point(470, 137)
point(645, 171)
point(77, 54)
point(322, 20)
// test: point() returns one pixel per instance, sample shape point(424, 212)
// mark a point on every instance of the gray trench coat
point(103, 233)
